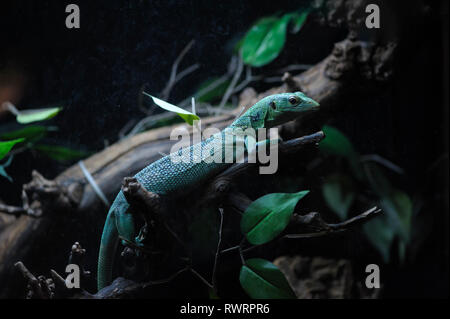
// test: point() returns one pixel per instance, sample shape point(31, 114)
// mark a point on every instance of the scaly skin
point(164, 177)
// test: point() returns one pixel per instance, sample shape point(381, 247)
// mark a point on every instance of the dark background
point(97, 72)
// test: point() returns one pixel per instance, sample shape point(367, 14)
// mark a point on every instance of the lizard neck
point(253, 118)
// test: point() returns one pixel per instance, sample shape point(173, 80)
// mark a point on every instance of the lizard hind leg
point(125, 218)
point(144, 205)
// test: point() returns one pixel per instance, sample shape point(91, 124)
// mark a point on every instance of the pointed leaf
point(185, 115)
point(264, 41)
point(398, 207)
point(28, 116)
point(268, 216)
point(377, 180)
point(263, 280)
point(60, 153)
point(299, 20)
point(6, 146)
point(31, 133)
point(336, 143)
point(339, 194)
point(380, 234)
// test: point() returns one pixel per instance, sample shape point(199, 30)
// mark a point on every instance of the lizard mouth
point(309, 105)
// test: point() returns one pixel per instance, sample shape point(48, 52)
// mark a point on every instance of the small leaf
point(268, 216)
point(395, 222)
point(339, 194)
point(377, 180)
point(6, 146)
point(31, 133)
point(188, 117)
point(238, 45)
point(265, 40)
point(398, 207)
point(28, 116)
point(381, 234)
point(60, 153)
point(263, 280)
point(212, 294)
point(299, 20)
point(336, 143)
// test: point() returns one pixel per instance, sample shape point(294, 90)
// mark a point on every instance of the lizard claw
point(130, 186)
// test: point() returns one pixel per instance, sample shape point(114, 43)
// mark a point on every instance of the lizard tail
point(108, 246)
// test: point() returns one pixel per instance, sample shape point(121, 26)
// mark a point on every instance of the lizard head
point(284, 107)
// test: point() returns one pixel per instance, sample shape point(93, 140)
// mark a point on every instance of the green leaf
point(299, 20)
point(336, 143)
point(339, 194)
point(6, 146)
point(398, 207)
point(377, 180)
point(31, 133)
point(263, 280)
point(268, 216)
point(212, 294)
point(28, 116)
point(188, 117)
point(238, 45)
point(265, 40)
point(396, 203)
point(381, 234)
point(60, 153)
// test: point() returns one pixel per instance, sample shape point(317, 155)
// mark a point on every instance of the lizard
point(165, 176)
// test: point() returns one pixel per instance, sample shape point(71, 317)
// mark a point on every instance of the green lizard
point(165, 177)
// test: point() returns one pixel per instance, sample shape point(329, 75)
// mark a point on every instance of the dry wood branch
point(314, 222)
point(286, 147)
point(40, 287)
point(14, 210)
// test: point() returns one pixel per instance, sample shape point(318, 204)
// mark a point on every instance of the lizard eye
point(273, 105)
point(294, 100)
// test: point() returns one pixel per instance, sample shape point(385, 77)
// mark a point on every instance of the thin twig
point(201, 278)
point(230, 249)
point(13, 210)
point(173, 74)
point(233, 82)
point(214, 279)
point(94, 184)
point(381, 160)
point(359, 219)
point(186, 72)
point(327, 229)
point(165, 280)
